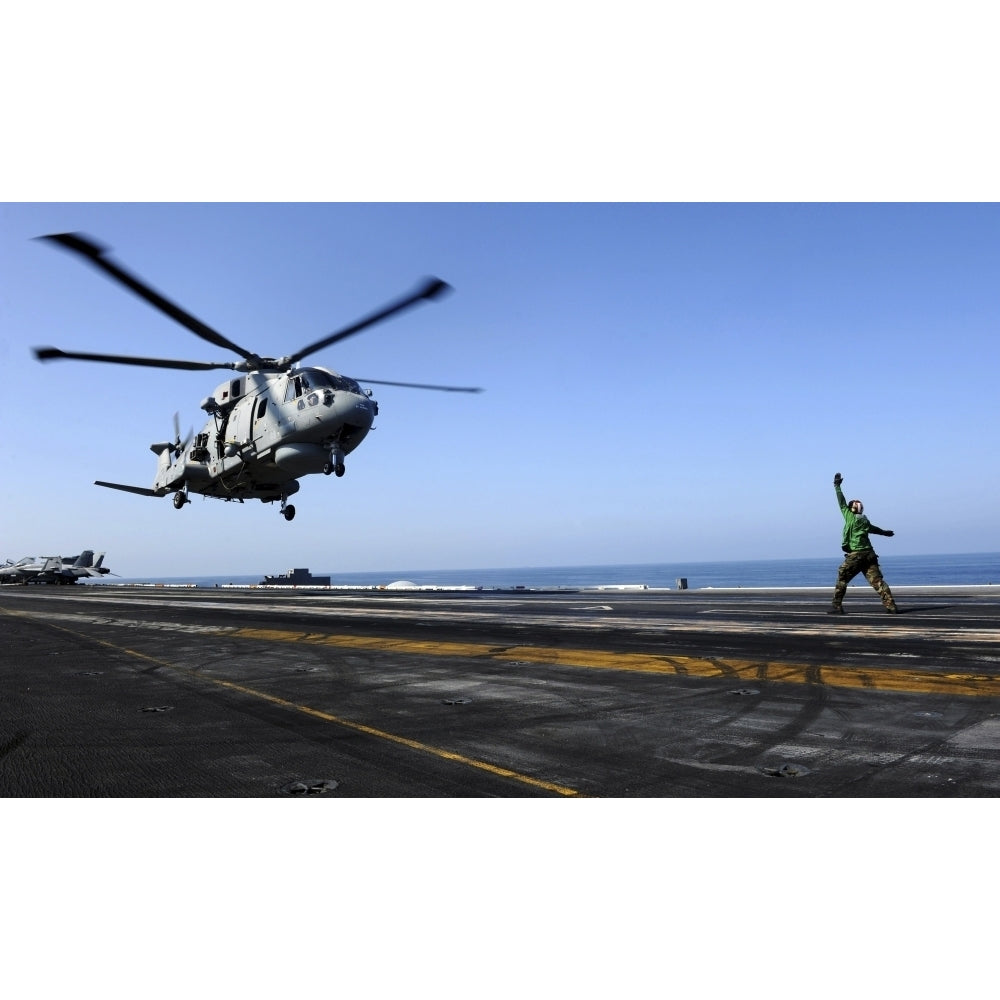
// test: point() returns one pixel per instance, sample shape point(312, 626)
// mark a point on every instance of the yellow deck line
point(359, 727)
point(870, 677)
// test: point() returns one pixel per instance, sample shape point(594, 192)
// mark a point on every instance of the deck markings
point(315, 713)
point(871, 677)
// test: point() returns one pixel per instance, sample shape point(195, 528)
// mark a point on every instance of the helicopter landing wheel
point(288, 512)
point(180, 500)
point(339, 469)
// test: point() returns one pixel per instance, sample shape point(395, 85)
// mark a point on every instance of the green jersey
point(856, 527)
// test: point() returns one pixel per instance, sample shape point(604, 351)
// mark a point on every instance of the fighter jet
point(54, 569)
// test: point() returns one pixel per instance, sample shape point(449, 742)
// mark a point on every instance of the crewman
point(859, 556)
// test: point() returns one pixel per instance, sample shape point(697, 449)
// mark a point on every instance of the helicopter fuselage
point(264, 431)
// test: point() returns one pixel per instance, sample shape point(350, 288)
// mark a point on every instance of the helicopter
point(270, 424)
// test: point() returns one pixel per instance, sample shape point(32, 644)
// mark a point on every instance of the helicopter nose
point(357, 408)
point(350, 415)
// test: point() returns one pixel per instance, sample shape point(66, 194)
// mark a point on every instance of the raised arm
point(837, 480)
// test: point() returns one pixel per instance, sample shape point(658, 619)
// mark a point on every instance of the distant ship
point(295, 578)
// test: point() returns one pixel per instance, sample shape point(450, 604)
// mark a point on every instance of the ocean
point(968, 569)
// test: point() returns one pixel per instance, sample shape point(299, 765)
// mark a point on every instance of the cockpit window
point(322, 380)
point(316, 378)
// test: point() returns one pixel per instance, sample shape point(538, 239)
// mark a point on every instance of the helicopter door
point(239, 423)
point(262, 428)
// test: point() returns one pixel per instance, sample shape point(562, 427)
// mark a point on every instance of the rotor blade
point(96, 254)
point(418, 385)
point(430, 288)
point(53, 354)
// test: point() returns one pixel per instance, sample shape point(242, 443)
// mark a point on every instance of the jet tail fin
point(97, 570)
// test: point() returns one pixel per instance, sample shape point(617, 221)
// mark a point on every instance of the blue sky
point(664, 382)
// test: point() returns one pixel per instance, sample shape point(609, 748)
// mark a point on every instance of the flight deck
point(131, 691)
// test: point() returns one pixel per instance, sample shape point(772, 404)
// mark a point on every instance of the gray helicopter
point(270, 424)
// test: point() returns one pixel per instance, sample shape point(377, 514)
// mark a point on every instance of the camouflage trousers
point(862, 562)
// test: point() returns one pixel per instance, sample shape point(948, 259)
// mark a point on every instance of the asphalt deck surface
point(194, 692)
